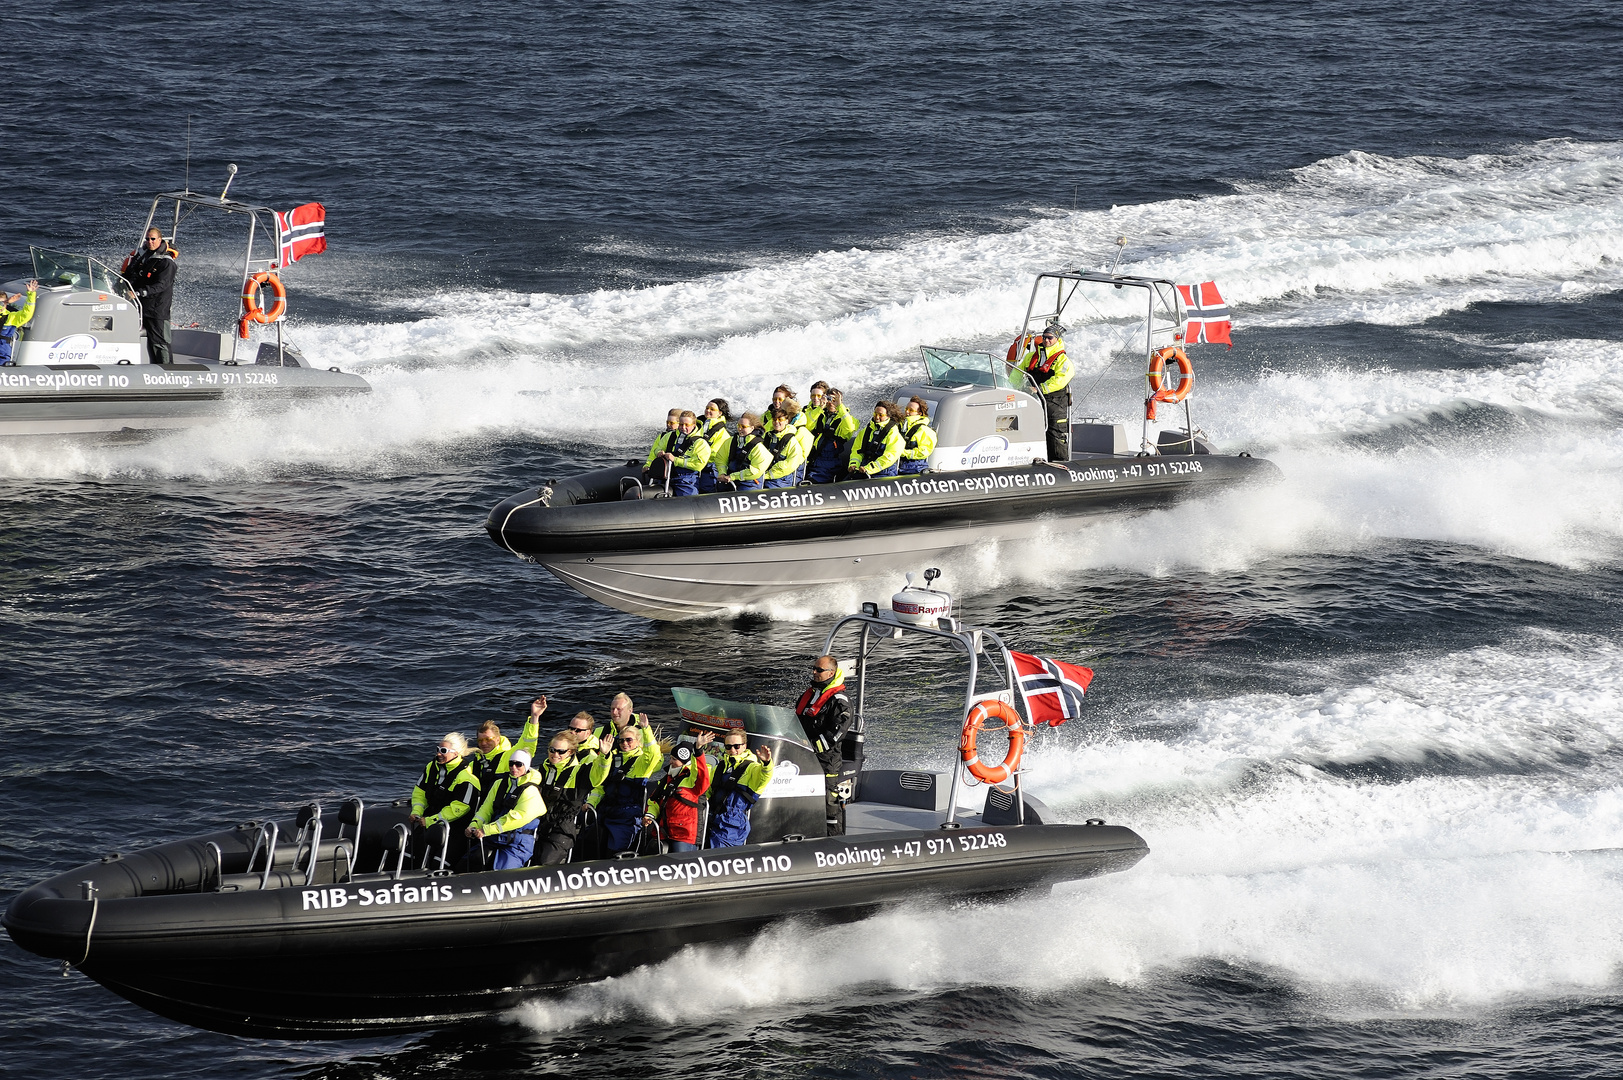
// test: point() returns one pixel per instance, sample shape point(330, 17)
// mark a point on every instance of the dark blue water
point(1370, 721)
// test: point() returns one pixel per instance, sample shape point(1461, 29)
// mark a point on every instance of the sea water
point(1369, 719)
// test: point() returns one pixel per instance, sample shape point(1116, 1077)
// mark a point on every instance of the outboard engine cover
point(921, 607)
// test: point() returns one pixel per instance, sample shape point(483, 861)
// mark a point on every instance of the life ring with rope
point(974, 723)
point(1158, 369)
point(251, 309)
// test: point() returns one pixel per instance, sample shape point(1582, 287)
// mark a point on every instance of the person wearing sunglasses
point(565, 783)
point(1050, 370)
point(151, 271)
point(825, 715)
point(585, 732)
point(620, 783)
point(448, 792)
point(674, 802)
point(740, 777)
point(510, 815)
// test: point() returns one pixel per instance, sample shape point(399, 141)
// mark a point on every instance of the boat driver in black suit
point(825, 715)
point(152, 273)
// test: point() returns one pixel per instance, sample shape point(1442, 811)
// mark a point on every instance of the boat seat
point(1094, 438)
point(196, 345)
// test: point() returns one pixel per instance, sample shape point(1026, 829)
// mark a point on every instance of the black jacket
point(827, 728)
point(564, 791)
point(153, 275)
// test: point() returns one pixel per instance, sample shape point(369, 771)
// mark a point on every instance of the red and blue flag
point(1052, 689)
point(303, 232)
point(1206, 314)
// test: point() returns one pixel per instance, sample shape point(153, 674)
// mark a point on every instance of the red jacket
point(676, 803)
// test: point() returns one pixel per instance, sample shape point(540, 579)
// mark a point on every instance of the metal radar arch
point(179, 206)
point(927, 613)
point(1164, 318)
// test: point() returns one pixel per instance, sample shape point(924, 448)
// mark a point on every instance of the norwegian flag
point(303, 232)
point(1207, 314)
point(1051, 689)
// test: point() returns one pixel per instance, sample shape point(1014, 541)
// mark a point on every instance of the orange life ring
point(974, 722)
point(1158, 367)
point(250, 298)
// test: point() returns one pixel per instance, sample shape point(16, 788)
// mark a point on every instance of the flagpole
point(1020, 690)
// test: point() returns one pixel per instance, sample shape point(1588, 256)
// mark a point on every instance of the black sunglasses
point(555, 750)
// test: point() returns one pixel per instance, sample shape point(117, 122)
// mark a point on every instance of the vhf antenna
point(188, 151)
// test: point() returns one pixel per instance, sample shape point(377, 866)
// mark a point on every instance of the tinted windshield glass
point(955, 367)
point(60, 268)
point(54, 268)
point(774, 720)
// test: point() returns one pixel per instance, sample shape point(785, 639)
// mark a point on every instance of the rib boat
point(81, 365)
point(317, 927)
point(607, 536)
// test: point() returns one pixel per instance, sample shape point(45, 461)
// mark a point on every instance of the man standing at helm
point(152, 273)
point(825, 714)
point(1051, 370)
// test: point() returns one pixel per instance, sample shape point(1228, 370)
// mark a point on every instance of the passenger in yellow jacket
point(447, 792)
point(831, 425)
point(673, 420)
point(510, 814)
point(803, 433)
point(735, 787)
point(620, 782)
point(1051, 369)
point(743, 457)
point(493, 750)
point(918, 437)
point(13, 320)
point(714, 430)
point(787, 448)
point(688, 452)
point(878, 447)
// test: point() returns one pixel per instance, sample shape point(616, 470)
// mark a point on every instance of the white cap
point(522, 757)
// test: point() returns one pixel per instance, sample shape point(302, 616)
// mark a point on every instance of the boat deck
point(863, 817)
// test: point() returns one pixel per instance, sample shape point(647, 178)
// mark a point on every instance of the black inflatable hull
point(677, 557)
point(375, 955)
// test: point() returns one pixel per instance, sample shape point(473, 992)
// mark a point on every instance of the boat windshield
point(773, 721)
point(53, 268)
point(955, 367)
